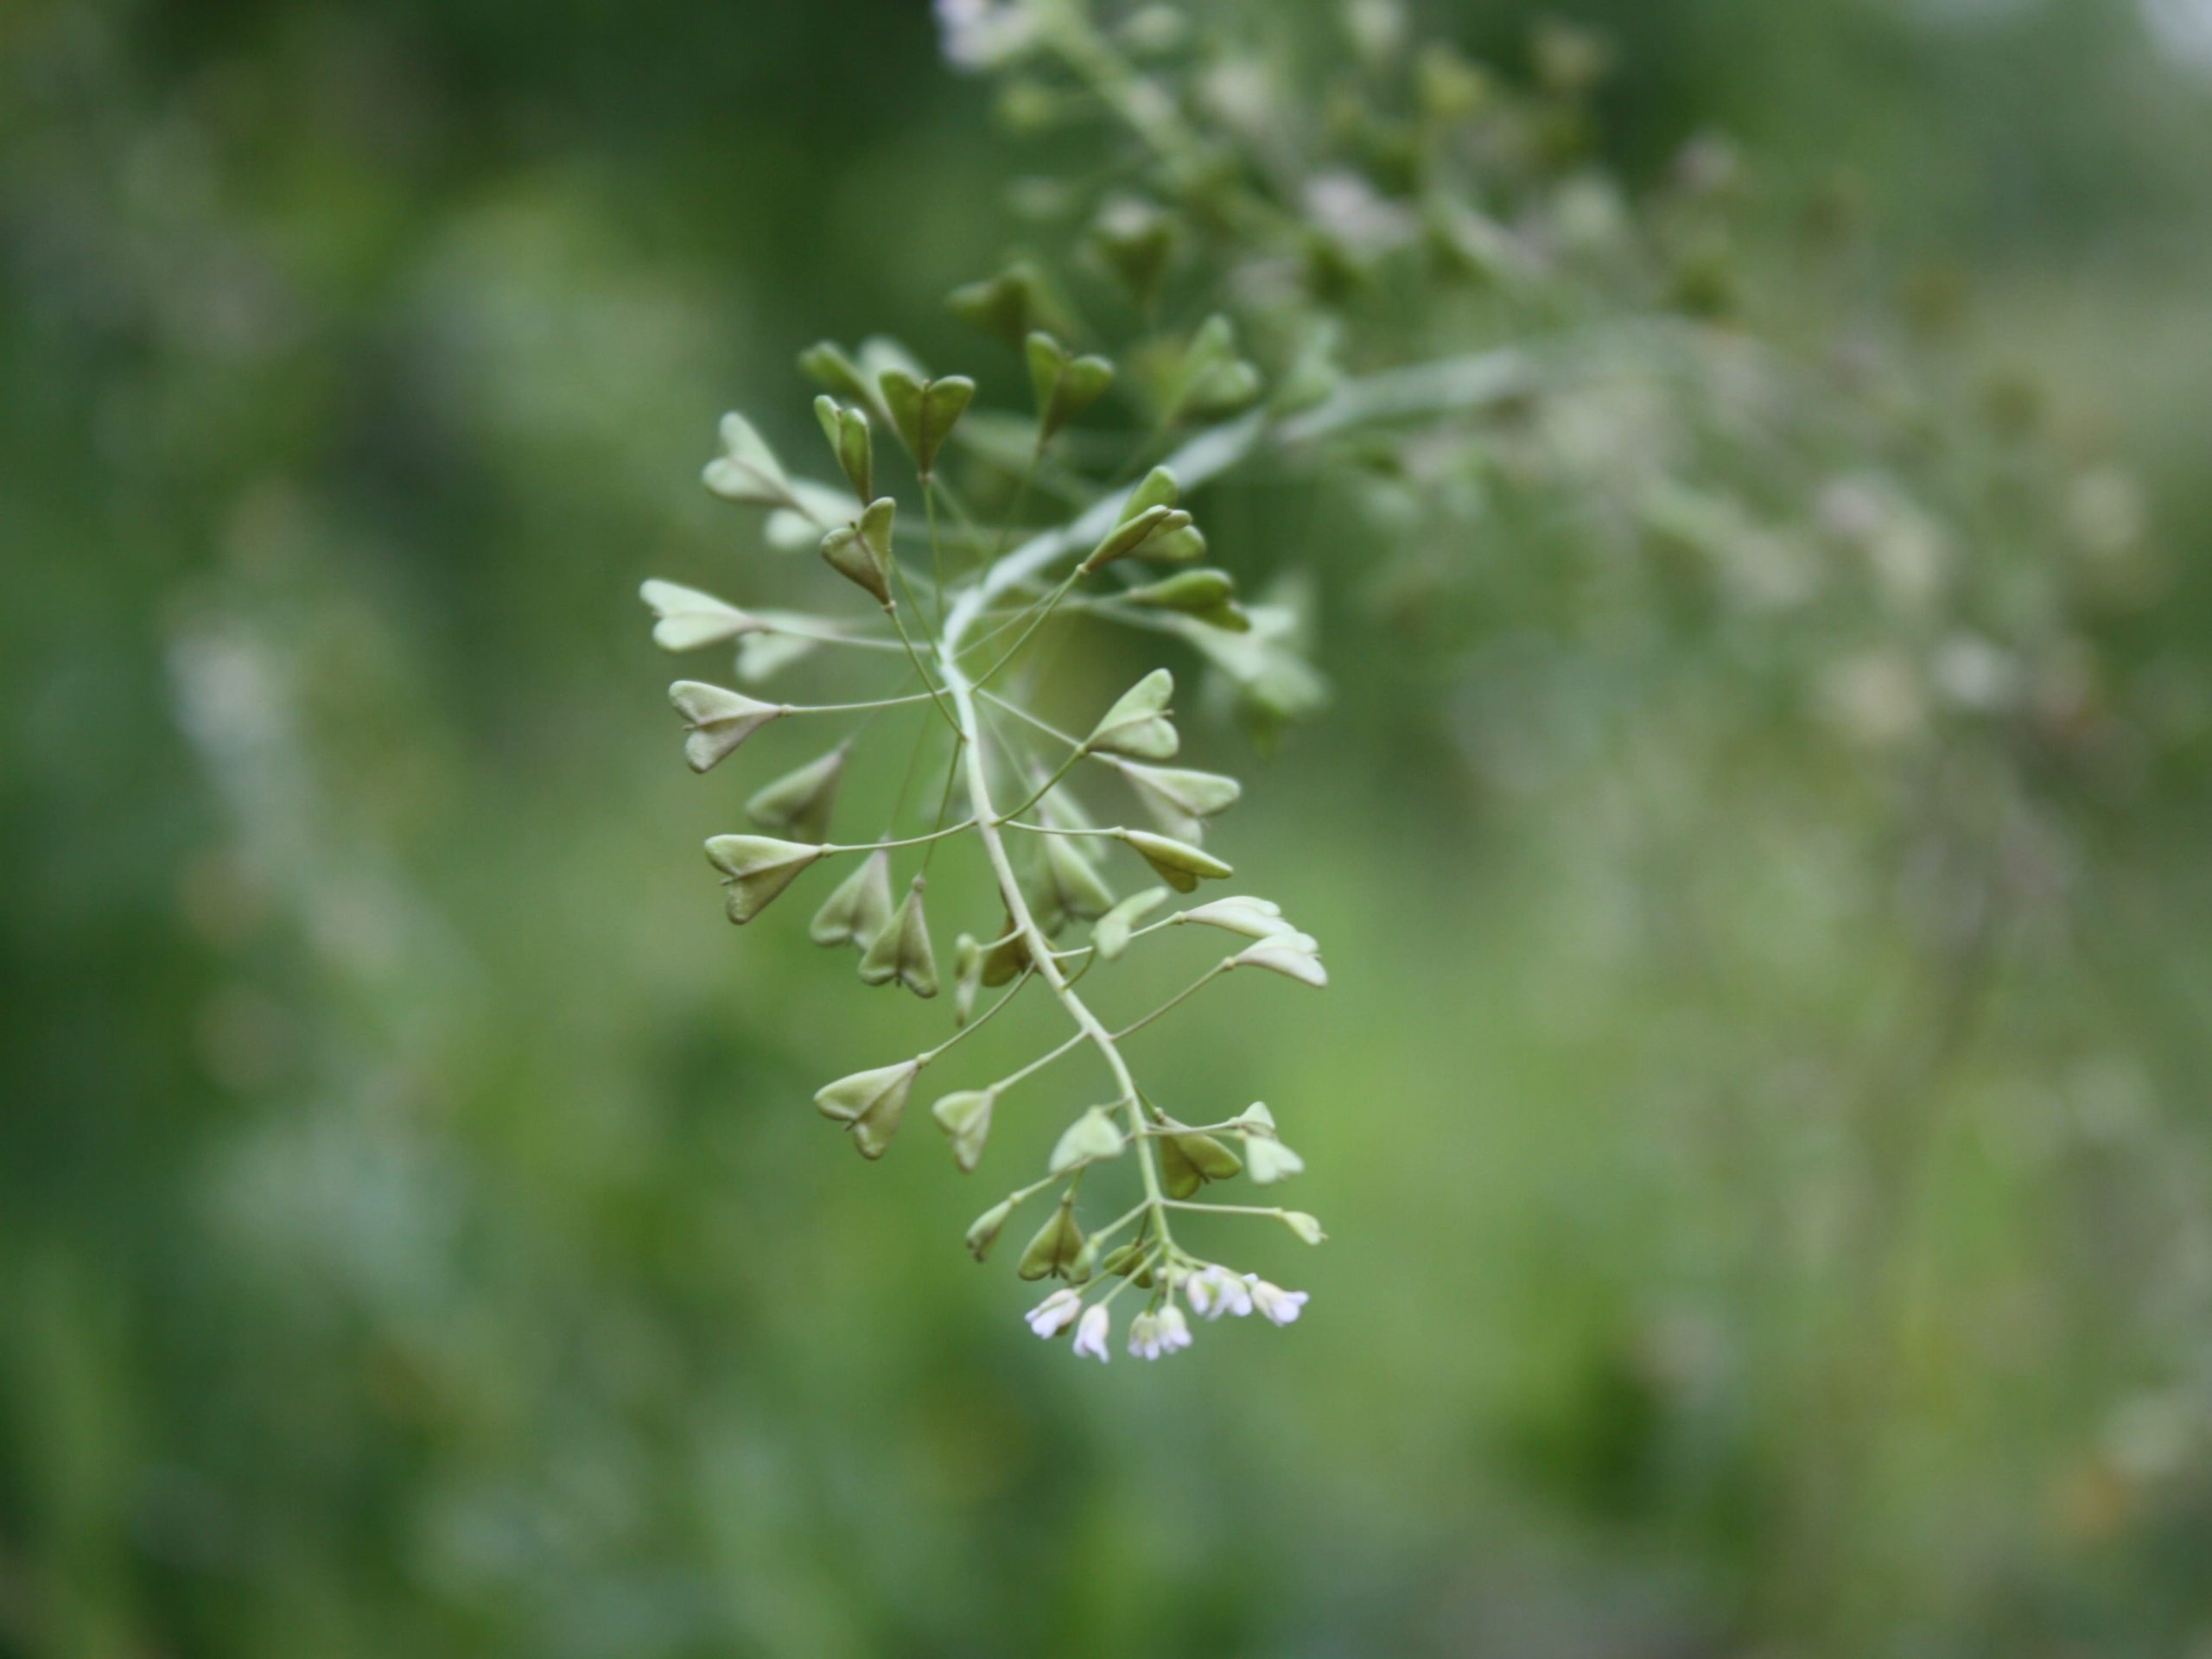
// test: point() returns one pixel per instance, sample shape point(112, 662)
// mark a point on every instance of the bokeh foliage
point(413, 1233)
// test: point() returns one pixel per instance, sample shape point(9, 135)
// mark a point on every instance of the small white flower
point(1055, 1313)
point(1214, 1291)
point(1174, 1329)
point(1090, 1335)
point(1277, 1304)
point(1144, 1337)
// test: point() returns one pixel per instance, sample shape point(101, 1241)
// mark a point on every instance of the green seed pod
point(1157, 489)
point(1178, 1176)
point(1181, 866)
point(870, 1103)
point(1213, 381)
point(1056, 1244)
point(1135, 240)
point(1116, 1263)
point(799, 802)
point(925, 412)
point(1306, 1227)
point(686, 619)
point(984, 1231)
point(847, 432)
point(966, 977)
point(861, 552)
point(902, 951)
point(1256, 918)
point(1091, 1138)
point(1066, 386)
point(1312, 375)
point(1007, 958)
point(1009, 305)
point(1180, 800)
point(1138, 724)
point(826, 364)
point(747, 471)
point(1140, 535)
point(756, 869)
point(1073, 884)
point(1295, 956)
point(720, 720)
point(1194, 593)
point(859, 907)
point(1111, 935)
point(966, 1116)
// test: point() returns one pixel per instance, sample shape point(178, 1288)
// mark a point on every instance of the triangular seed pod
point(1293, 955)
point(800, 800)
point(1138, 724)
point(858, 908)
point(984, 1231)
point(1157, 489)
point(870, 1103)
point(1180, 800)
point(1009, 305)
point(747, 471)
point(1306, 1227)
point(1181, 866)
point(720, 720)
point(966, 1116)
point(1111, 935)
point(1195, 593)
point(1065, 386)
point(1267, 1160)
point(687, 618)
point(1007, 958)
point(1134, 239)
point(1256, 918)
point(861, 552)
point(847, 432)
point(902, 951)
point(1178, 1176)
point(826, 364)
point(925, 412)
point(1142, 536)
point(756, 869)
point(1077, 889)
point(1090, 1139)
point(1056, 1245)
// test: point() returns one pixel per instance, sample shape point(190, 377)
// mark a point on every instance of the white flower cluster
point(1212, 1292)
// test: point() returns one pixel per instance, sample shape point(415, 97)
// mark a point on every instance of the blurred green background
point(414, 1236)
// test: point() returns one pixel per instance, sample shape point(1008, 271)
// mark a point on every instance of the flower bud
point(800, 800)
point(984, 1231)
point(1056, 1244)
point(859, 907)
point(847, 432)
point(687, 618)
point(925, 412)
point(966, 1116)
point(1111, 935)
point(719, 719)
point(756, 869)
point(902, 950)
point(1180, 800)
point(870, 1103)
point(1091, 1138)
point(1138, 724)
point(1181, 866)
point(747, 470)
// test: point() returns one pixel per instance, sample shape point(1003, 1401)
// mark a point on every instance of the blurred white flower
point(1144, 1337)
point(1174, 1329)
point(1216, 1291)
point(982, 33)
point(1054, 1314)
point(1280, 1306)
point(1090, 1335)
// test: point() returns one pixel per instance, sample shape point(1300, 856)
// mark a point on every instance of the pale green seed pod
point(1066, 385)
point(1295, 956)
point(1141, 536)
point(860, 552)
point(870, 1103)
point(1091, 1138)
point(966, 1117)
point(1074, 886)
point(1256, 918)
point(799, 802)
point(1306, 1227)
point(719, 719)
point(850, 441)
point(859, 907)
point(1267, 1160)
point(984, 1231)
point(1189, 1161)
point(1138, 725)
point(1111, 935)
point(1180, 800)
point(1056, 1244)
point(902, 951)
point(686, 619)
point(1180, 865)
point(924, 412)
point(747, 471)
point(756, 869)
